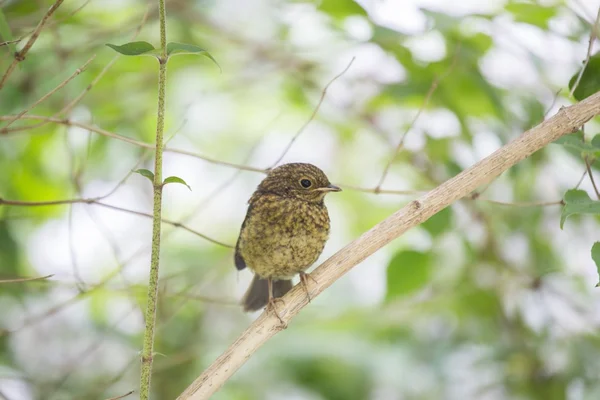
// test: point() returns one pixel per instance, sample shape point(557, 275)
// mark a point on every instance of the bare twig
point(380, 191)
point(428, 96)
point(10, 42)
point(97, 201)
point(567, 120)
point(50, 93)
point(167, 221)
point(66, 109)
point(112, 135)
point(523, 203)
point(122, 396)
point(86, 353)
point(580, 181)
point(313, 115)
point(20, 55)
point(591, 175)
point(44, 203)
point(551, 106)
point(593, 35)
point(18, 280)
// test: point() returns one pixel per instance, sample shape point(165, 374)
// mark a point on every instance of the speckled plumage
point(285, 229)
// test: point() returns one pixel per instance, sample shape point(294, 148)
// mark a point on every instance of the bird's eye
point(305, 183)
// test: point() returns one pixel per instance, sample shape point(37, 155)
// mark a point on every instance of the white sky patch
point(439, 123)
point(428, 47)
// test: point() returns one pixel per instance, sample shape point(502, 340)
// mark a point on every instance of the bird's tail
point(257, 295)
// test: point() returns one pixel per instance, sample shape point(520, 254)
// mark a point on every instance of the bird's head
point(298, 180)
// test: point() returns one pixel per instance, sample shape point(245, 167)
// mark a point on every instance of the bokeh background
point(483, 301)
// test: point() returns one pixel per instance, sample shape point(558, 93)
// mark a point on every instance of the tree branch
point(126, 139)
point(18, 280)
point(20, 55)
point(567, 120)
point(50, 93)
point(313, 115)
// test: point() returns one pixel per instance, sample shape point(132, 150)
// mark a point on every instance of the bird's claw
point(304, 277)
point(272, 307)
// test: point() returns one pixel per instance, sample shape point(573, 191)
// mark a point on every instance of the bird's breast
point(283, 237)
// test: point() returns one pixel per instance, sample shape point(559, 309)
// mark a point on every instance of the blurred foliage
point(589, 82)
point(482, 301)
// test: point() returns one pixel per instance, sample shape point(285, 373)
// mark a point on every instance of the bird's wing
point(240, 264)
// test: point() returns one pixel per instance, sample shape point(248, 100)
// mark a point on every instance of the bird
point(284, 232)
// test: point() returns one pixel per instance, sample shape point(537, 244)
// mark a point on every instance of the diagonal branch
point(593, 36)
point(428, 95)
point(126, 139)
point(18, 280)
point(567, 120)
point(589, 171)
point(20, 55)
point(50, 93)
point(313, 115)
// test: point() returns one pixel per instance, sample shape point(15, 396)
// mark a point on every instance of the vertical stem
point(148, 348)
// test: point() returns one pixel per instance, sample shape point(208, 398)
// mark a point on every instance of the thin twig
point(167, 221)
point(66, 109)
point(428, 96)
point(523, 203)
point(568, 120)
point(98, 202)
point(10, 42)
point(122, 396)
point(593, 35)
point(50, 93)
point(18, 280)
point(20, 55)
point(591, 175)
point(551, 106)
point(81, 295)
point(86, 353)
point(380, 191)
point(313, 115)
point(134, 142)
point(580, 181)
point(45, 203)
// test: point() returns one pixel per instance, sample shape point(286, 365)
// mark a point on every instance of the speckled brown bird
point(284, 232)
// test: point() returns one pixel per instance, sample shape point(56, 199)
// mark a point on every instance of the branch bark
point(567, 120)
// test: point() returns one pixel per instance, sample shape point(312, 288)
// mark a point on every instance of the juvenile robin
point(284, 232)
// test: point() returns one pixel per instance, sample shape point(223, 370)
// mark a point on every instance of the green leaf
point(407, 272)
point(339, 9)
point(176, 179)
point(576, 142)
point(174, 49)
point(578, 202)
point(147, 173)
point(532, 14)
point(439, 223)
point(5, 33)
point(590, 79)
point(596, 258)
point(134, 49)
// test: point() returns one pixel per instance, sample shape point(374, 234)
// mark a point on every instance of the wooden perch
point(567, 120)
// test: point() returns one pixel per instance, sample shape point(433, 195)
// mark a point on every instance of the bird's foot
point(271, 307)
point(304, 277)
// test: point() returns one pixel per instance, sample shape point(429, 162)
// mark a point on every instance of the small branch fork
point(20, 55)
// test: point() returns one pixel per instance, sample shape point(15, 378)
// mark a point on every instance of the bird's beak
point(330, 188)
